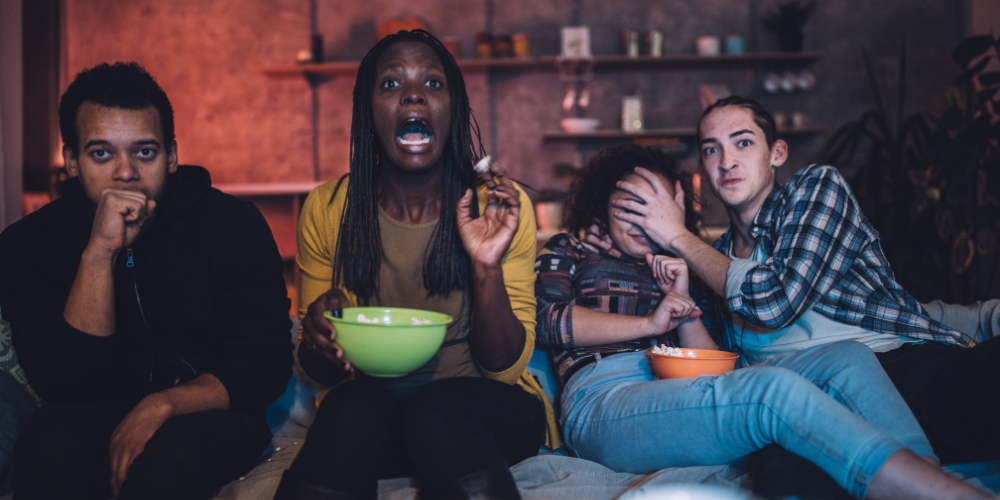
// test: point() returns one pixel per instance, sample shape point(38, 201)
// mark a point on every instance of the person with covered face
point(600, 310)
point(413, 226)
point(148, 309)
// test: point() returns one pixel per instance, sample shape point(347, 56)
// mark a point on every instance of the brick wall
point(247, 127)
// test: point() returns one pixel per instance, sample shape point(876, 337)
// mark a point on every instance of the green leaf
point(967, 75)
point(968, 49)
point(989, 78)
point(984, 95)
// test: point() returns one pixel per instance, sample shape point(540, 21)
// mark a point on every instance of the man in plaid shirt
point(800, 266)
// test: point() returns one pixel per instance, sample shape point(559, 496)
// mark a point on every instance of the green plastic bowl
point(392, 347)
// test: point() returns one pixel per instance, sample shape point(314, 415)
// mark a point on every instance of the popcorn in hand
point(483, 165)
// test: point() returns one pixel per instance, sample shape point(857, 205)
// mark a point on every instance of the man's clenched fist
point(120, 217)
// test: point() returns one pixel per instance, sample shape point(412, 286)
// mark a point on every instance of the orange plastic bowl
point(704, 362)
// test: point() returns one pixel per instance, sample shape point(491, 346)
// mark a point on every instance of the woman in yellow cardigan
point(414, 226)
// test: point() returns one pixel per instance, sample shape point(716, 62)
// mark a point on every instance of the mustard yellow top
point(319, 228)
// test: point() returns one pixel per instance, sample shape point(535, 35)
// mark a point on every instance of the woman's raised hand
point(487, 238)
point(596, 240)
point(676, 307)
point(318, 333)
point(672, 310)
point(670, 273)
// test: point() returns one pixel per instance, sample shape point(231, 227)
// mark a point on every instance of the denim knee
point(851, 349)
point(793, 400)
point(769, 382)
point(849, 361)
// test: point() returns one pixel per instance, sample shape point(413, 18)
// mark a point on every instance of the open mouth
point(414, 132)
point(638, 235)
point(640, 238)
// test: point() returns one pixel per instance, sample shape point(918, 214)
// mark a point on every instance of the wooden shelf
point(335, 68)
point(509, 64)
point(685, 133)
point(697, 61)
point(269, 189)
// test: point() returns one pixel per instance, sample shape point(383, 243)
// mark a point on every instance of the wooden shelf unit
point(689, 61)
point(336, 68)
point(661, 133)
point(668, 61)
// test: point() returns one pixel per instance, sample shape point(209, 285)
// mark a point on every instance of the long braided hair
point(358, 256)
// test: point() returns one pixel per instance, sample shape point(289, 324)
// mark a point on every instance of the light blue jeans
point(832, 404)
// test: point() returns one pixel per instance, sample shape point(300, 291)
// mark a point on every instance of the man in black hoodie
point(148, 310)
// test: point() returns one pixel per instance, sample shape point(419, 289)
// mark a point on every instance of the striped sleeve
point(554, 270)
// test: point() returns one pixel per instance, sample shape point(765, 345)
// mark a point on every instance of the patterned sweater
point(567, 274)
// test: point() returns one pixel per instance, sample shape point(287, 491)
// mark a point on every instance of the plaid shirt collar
point(856, 284)
point(758, 228)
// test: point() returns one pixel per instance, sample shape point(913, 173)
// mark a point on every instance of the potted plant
point(787, 20)
point(930, 184)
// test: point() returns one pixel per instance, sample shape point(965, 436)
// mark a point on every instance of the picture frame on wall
point(575, 42)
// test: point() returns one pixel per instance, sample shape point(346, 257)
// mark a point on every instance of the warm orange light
point(696, 187)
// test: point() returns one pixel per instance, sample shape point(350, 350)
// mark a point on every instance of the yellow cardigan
point(319, 227)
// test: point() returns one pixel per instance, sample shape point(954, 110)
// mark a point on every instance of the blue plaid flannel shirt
point(823, 255)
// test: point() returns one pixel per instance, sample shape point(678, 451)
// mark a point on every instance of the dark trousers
point(63, 453)
point(954, 393)
point(445, 430)
point(16, 406)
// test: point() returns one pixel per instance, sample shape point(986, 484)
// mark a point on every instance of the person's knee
point(206, 448)
point(46, 434)
point(436, 409)
point(773, 385)
point(450, 392)
point(428, 420)
point(848, 353)
point(354, 407)
point(176, 446)
point(50, 449)
point(767, 377)
point(851, 358)
point(846, 361)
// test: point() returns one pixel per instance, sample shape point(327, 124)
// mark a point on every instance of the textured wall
point(11, 94)
point(246, 127)
point(241, 125)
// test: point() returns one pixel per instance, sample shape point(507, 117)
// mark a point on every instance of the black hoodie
point(201, 290)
